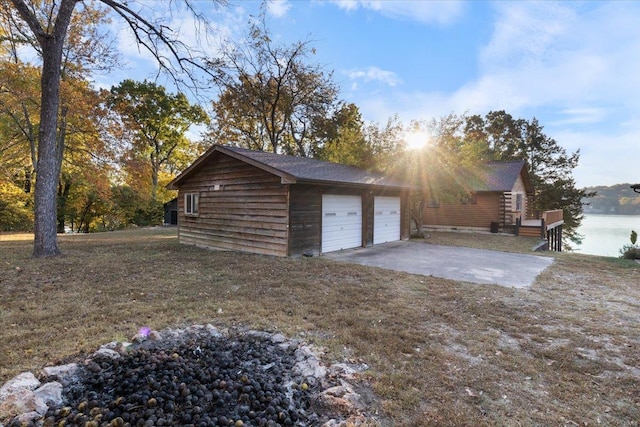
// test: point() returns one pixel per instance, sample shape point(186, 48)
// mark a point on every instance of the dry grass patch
point(496, 242)
point(563, 352)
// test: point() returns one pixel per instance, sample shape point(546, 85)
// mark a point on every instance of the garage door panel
point(386, 219)
point(341, 222)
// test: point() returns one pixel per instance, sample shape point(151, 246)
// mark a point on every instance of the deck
point(548, 227)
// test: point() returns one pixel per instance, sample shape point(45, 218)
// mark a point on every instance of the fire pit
point(199, 377)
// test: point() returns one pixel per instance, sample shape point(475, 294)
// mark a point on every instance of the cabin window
point(433, 202)
point(518, 202)
point(469, 199)
point(191, 202)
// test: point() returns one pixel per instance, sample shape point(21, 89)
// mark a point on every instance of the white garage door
point(386, 219)
point(341, 222)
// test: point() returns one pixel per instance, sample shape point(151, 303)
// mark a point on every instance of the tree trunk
point(48, 168)
point(51, 40)
point(63, 195)
point(417, 211)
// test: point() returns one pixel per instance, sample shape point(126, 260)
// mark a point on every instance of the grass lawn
point(564, 352)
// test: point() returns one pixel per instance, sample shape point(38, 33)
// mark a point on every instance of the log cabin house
point(497, 194)
point(253, 201)
point(500, 200)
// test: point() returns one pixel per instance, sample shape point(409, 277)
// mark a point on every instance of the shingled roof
point(499, 176)
point(294, 170)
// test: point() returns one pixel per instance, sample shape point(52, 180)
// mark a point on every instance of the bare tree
point(271, 98)
point(49, 23)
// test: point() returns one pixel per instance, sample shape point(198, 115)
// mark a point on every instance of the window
point(518, 202)
point(191, 201)
point(433, 202)
point(468, 199)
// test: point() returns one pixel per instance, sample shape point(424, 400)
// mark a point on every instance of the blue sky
point(575, 66)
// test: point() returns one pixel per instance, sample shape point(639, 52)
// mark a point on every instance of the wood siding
point(480, 214)
point(305, 220)
point(529, 231)
point(241, 208)
point(405, 211)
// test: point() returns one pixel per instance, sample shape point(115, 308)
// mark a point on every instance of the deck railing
point(547, 226)
point(552, 229)
point(552, 217)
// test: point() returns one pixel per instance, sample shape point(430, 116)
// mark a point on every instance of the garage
point(341, 222)
point(272, 204)
point(386, 219)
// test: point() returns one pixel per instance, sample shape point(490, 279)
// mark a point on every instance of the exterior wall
point(480, 214)
point(520, 188)
point(171, 212)
point(305, 215)
point(305, 220)
point(405, 211)
point(240, 208)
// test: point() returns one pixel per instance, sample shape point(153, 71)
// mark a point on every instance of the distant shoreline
point(611, 213)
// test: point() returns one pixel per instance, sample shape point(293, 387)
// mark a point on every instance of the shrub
point(631, 251)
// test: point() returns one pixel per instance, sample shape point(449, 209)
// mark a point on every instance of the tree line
point(74, 156)
point(617, 199)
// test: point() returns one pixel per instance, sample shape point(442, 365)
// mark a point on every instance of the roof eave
point(285, 177)
point(173, 185)
point(355, 184)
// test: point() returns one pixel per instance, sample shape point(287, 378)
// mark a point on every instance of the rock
point(138, 338)
point(120, 347)
point(19, 401)
point(308, 364)
point(347, 370)
point(352, 421)
point(28, 404)
point(50, 394)
point(25, 380)
point(154, 336)
point(106, 352)
point(278, 339)
point(65, 374)
point(338, 391)
point(213, 331)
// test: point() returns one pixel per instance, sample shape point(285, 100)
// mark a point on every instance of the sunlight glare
point(416, 140)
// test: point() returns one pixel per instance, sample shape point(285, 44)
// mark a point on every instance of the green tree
point(48, 24)
point(345, 141)
point(271, 99)
point(16, 212)
point(156, 123)
point(78, 145)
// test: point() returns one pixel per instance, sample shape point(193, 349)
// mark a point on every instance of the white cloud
point(576, 62)
point(278, 8)
point(571, 116)
point(430, 12)
point(545, 53)
point(605, 158)
point(524, 34)
point(374, 74)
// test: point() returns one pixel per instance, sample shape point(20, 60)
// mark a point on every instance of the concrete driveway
point(449, 262)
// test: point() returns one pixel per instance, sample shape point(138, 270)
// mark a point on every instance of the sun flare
point(416, 140)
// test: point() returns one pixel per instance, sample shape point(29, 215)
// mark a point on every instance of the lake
point(606, 234)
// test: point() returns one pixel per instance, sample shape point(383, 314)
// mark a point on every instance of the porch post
point(560, 238)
